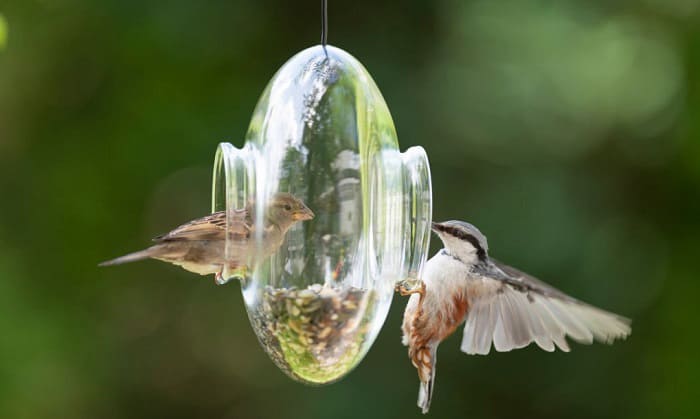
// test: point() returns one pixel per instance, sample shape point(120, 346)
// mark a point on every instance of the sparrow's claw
point(219, 278)
point(226, 274)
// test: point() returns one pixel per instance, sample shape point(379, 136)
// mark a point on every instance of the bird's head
point(462, 240)
point(286, 209)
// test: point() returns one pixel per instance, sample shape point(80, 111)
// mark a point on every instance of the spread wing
point(512, 309)
point(211, 227)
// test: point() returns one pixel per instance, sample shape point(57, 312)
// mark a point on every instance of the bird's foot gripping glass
point(324, 214)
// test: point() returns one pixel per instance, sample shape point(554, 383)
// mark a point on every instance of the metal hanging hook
point(324, 23)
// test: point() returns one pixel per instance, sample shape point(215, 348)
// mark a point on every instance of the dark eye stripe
point(463, 235)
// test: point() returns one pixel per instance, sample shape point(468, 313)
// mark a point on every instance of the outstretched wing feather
point(518, 309)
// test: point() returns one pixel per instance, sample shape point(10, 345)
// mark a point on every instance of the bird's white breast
point(445, 278)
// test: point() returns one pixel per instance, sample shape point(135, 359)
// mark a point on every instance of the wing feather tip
point(470, 351)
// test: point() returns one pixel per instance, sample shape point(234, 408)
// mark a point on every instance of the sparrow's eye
point(287, 207)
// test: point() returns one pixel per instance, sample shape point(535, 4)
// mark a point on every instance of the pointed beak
point(303, 214)
point(437, 227)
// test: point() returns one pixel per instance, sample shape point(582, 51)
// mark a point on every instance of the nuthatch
point(499, 304)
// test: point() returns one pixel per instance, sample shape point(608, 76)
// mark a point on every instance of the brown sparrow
point(499, 304)
point(199, 246)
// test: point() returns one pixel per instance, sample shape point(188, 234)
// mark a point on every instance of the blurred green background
point(566, 130)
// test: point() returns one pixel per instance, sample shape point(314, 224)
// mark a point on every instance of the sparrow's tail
point(425, 362)
point(132, 257)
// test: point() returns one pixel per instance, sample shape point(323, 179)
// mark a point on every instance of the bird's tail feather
point(131, 257)
point(425, 391)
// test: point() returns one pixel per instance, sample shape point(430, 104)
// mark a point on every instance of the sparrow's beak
point(303, 214)
point(437, 227)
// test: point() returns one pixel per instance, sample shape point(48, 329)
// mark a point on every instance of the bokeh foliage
point(3, 32)
point(568, 131)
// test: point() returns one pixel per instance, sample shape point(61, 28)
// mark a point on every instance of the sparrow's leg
point(232, 271)
point(219, 278)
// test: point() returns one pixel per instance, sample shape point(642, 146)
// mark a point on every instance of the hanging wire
point(324, 23)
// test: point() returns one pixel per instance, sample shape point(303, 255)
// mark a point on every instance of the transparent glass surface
point(317, 290)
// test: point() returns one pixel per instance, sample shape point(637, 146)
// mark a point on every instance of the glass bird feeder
point(322, 132)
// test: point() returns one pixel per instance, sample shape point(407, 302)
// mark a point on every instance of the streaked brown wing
point(211, 227)
point(241, 226)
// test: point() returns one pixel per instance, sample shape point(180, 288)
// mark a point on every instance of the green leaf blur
point(3, 32)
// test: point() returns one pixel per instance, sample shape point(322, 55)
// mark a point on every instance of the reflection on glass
point(322, 132)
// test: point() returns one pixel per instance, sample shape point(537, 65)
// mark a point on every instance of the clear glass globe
point(317, 290)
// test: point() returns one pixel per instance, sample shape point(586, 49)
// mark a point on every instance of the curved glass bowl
point(318, 296)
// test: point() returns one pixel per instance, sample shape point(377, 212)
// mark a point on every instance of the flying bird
point(500, 305)
point(199, 245)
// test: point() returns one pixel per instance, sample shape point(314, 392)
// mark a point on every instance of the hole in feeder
point(317, 290)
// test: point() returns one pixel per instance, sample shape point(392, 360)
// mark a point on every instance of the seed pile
point(314, 334)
